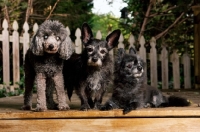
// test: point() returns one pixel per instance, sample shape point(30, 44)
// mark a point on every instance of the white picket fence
point(15, 40)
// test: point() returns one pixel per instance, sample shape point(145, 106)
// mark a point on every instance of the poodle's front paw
point(85, 107)
point(26, 107)
point(63, 108)
point(40, 109)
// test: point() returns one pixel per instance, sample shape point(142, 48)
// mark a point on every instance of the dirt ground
point(10, 104)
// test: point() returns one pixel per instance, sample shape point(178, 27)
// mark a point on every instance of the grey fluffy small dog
point(130, 92)
point(90, 72)
point(50, 46)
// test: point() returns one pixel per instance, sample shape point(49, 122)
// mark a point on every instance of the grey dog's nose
point(139, 68)
point(51, 46)
point(94, 59)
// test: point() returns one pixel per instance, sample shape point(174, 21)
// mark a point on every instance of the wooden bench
point(171, 119)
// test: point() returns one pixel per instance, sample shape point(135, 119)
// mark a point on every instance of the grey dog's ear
point(132, 51)
point(112, 39)
point(36, 45)
point(86, 33)
point(66, 49)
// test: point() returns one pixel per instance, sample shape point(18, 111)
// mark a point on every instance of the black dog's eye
point(57, 38)
point(129, 66)
point(102, 51)
point(89, 49)
point(45, 37)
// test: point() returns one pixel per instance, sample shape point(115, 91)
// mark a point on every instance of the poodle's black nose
point(51, 46)
point(139, 68)
point(94, 59)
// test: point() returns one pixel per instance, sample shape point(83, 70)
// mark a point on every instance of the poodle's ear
point(36, 45)
point(66, 49)
point(86, 33)
point(132, 51)
point(112, 39)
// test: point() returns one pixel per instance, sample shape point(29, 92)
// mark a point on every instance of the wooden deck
point(171, 119)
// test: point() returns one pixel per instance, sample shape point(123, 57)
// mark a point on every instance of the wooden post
point(196, 10)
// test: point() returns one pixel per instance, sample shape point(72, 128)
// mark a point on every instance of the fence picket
point(176, 71)
point(99, 35)
point(164, 64)
point(142, 53)
point(78, 43)
point(15, 42)
point(26, 38)
point(131, 41)
point(187, 70)
point(6, 55)
point(121, 40)
point(153, 63)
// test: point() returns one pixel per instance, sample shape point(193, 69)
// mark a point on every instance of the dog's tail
point(178, 101)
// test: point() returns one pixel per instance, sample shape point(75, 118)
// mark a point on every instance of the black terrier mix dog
point(130, 92)
point(90, 72)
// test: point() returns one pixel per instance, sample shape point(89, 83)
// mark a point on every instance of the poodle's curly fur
point(43, 65)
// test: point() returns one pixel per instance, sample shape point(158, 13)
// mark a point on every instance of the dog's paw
point(26, 107)
point(63, 108)
point(106, 107)
point(85, 107)
point(39, 109)
point(128, 109)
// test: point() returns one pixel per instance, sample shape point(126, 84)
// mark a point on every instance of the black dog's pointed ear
point(86, 33)
point(132, 51)
point(112, 39)
point(120, 52)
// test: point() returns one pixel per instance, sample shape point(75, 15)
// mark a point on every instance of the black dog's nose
point(51, 46)
point(94, 59)
point(139, 68)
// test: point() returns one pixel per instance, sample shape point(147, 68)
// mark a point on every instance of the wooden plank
point(103, 125)
point(151, 112)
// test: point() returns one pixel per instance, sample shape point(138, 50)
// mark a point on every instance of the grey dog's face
point(96, 52)
point(132, 66)
point(51, 43)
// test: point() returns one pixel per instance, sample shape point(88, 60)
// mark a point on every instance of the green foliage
point(180, 36)
point(5, 93)
point(104, 23)
point(73, 13)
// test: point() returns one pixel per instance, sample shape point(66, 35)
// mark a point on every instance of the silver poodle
point(43, 66)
